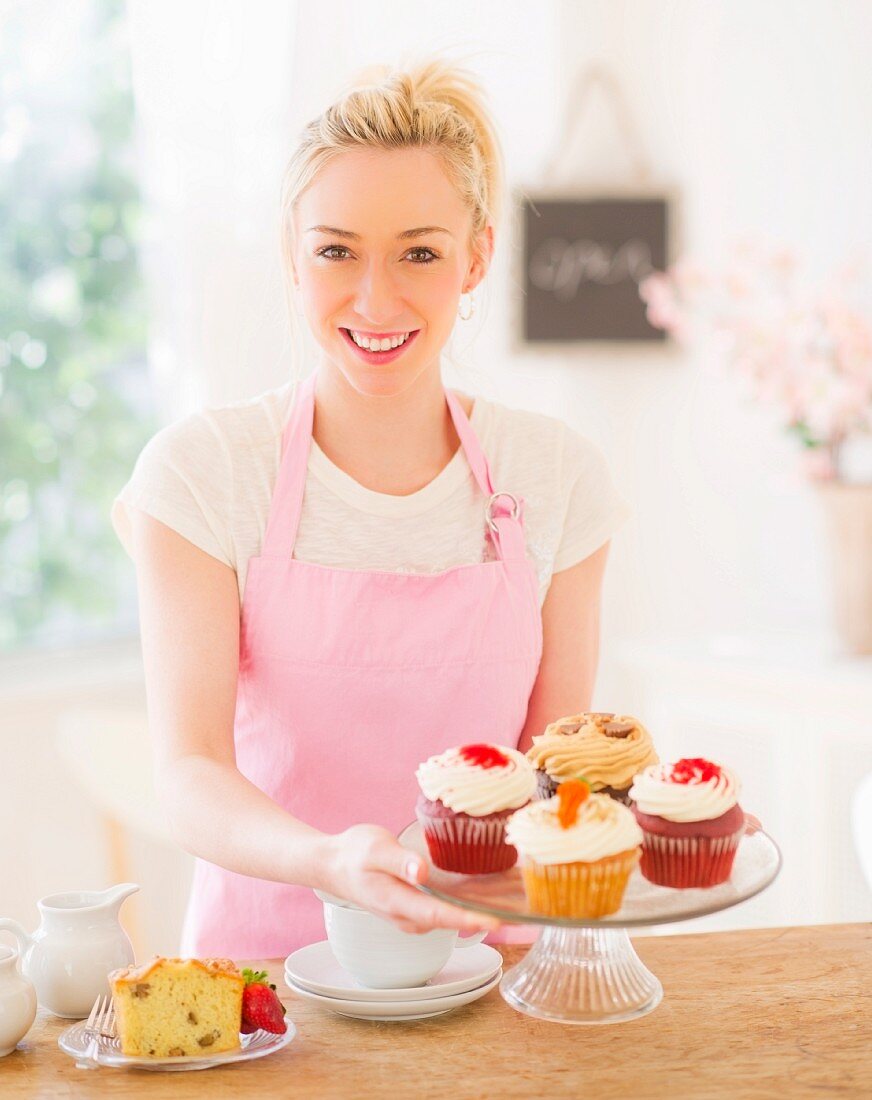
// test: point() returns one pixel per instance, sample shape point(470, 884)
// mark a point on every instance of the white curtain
point(212, 87)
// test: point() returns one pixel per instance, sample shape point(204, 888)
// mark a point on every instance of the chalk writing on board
point(560, 266)
point(583, 258)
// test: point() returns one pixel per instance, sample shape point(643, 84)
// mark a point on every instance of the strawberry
point(261, 1007)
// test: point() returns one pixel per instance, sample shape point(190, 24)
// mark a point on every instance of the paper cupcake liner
point(468, 845)
point(688, 861)
point(578, 889)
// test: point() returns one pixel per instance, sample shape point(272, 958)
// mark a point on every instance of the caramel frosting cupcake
point(607, 750)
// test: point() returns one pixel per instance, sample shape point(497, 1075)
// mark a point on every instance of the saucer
point(315, 969)
point(396, 1010)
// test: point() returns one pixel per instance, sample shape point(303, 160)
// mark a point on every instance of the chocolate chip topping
point(567, 729)
point(618, 730)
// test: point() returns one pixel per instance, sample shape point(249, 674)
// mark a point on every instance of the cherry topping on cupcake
point(484, 756)
point(694, 770)
point(572, 794)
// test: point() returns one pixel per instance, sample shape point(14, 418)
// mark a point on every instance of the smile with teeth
point(385, 343)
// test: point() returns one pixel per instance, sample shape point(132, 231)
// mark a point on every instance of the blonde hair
point(433, 104)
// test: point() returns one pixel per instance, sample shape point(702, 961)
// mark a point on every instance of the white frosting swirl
point(655, 792)
point(468, 788)
point(604, 827)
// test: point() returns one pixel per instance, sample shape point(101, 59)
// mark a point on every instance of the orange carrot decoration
point(572, 794)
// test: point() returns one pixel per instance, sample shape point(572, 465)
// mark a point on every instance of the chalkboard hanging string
point(576, 102)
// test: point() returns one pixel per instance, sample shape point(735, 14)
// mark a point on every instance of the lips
point(378, 357)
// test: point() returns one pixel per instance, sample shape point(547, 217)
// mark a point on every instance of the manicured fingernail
point(412, 870)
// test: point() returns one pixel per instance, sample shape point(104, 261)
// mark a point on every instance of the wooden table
point(767, 1013)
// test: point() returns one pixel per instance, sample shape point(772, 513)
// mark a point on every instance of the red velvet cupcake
point(467, 795)
point(691, 822)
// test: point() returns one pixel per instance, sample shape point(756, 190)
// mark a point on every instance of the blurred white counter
point(793, 716)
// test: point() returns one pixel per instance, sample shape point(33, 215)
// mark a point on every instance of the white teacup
point(378, 955)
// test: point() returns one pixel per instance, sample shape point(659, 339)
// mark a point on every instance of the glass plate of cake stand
point(585, 971)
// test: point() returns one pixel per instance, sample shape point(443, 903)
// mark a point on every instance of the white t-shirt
point(210, 477)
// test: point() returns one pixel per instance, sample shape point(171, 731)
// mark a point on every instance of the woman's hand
point(752, 825)
point(368, 867)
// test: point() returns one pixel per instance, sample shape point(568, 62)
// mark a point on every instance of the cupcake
point(577, 851)
point(691, 822)
point(606, 750)
point(467, 794)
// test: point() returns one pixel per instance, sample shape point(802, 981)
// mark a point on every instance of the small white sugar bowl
point(17, 1001)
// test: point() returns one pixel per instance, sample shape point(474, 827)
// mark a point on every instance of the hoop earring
point(466, 316)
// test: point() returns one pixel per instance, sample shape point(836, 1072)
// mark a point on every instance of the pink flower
point(738, 286)
point(817, 464)
point(689, 276)
point(784, 261)
point(807, 355)
point(656, 287)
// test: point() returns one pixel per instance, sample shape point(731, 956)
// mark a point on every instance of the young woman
point(353, 572)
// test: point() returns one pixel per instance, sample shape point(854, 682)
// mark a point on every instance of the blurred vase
point(849, 517)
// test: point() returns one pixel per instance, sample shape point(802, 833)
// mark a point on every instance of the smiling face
point(382, 249)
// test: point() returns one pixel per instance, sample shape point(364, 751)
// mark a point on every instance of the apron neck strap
point(287, 500)
point(504, 511)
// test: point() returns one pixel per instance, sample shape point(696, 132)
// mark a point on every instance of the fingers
point(752, 825)
point(388, 855)
point(414, 911)
point(435, 914)
point(383, 877)
point(429, 912)
point(414, 869)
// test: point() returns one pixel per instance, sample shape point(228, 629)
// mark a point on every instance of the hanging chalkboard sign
point(583, 260)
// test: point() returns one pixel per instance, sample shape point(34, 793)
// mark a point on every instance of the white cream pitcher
point(17, 1001)
point(78, 942)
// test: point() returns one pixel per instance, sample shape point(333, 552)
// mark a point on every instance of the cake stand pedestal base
point(582, 976)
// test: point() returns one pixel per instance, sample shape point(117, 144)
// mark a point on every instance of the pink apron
point(349, 679)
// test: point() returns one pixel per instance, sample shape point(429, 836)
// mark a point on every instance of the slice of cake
point(172, 1007)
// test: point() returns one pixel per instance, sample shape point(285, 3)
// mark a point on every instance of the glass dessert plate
point(76, 1041)
point(585, 971)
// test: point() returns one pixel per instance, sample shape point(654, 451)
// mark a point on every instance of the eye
point(426, 255)
point(331, 248)
point(429, 258)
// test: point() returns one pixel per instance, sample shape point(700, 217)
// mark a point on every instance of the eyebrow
point(405, 235)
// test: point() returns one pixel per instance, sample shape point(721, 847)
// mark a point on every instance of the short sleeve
point(183, 477)
point(595, 509)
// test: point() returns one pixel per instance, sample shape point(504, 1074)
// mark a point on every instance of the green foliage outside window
point(75, 407)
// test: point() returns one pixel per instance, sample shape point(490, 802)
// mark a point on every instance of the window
point(75, 400)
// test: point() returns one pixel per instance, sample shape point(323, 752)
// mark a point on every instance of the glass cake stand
point(586, 971)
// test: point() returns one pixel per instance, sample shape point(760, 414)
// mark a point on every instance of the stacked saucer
point(314, 974)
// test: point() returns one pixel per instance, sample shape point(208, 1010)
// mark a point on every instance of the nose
point(377, 297)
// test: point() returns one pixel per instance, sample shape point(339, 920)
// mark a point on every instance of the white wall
point(210, 82)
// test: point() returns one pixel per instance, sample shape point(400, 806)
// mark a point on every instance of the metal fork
point(101, 1021)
